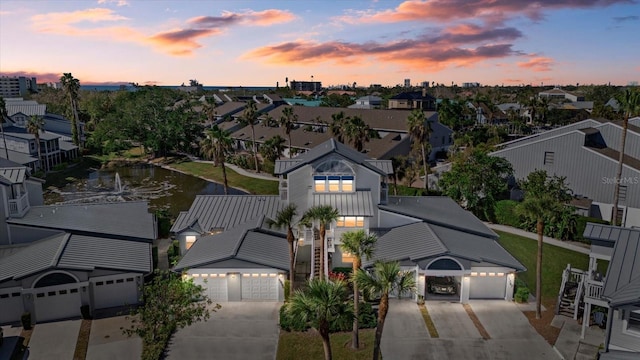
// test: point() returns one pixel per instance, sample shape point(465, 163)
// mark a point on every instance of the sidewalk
point(573, 246)
point(242, 171)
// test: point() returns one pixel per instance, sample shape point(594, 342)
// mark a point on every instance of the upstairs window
point(548, 157)
point(350, 221)
point(333, 176)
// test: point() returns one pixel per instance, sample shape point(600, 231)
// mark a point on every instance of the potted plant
point(26, 320)
point(420, 299)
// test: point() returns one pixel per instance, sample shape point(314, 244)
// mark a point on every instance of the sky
point(264, 43)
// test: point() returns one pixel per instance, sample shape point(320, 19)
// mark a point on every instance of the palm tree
point(288, 121)
point(216, 146)
point(285, 218)
point(71, 87)
point(630, 105)
point(385, 279)
point(357, 132)
point(400, 165)
point(209, 109)
point(358, 244)
point(34, 127)
point(250, 117)
point(324, 215)
point(3, 115)
point(543, 198)
point(273, 148)
point(320, 304)
point(420, 132)
point(337, 125)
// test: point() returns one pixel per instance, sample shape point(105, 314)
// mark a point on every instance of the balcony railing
point(594, 289)
point(18, 207)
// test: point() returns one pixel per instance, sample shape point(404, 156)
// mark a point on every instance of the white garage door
point(111, 291)
point(487, 287)
point(57, 302)
point(215, 285)
point(11, 306)
point(259, 287)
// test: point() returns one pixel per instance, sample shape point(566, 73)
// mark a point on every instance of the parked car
point(442, 285)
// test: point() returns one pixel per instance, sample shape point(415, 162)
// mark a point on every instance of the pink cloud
point(538, 64)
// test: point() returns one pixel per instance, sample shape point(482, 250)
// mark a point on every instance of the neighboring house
point(557, 93)
point(367, 102)
point(413, 100)
point(486, 115)
point(224, 237)
point(55, 258)
point(21, 141)
point(587, 154)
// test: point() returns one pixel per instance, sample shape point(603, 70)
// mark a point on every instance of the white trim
point(441, 258)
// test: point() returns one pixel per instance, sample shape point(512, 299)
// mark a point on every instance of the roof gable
point(623, 274)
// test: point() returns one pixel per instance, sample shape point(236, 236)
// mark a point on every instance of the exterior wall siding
point(619, 338)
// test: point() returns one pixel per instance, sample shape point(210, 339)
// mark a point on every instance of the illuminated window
point(340, 221)
point(320, 183)
point(347, 257)
point(347, 183)
point(334, 183)
point(191, 239)
point(350, 221)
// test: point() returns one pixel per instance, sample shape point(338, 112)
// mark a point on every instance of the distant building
point(470, 84)
point(557, 93)
point(306, 85)
point(413, 100)
point(16, 86)
point(407, 82)
point(424, 84)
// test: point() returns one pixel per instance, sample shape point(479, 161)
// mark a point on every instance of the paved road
point(54, 340)
point(238, 331)
point(107, 342)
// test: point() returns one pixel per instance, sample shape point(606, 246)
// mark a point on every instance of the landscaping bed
point(308, 345)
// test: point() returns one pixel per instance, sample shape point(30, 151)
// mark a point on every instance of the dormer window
point(333, 176)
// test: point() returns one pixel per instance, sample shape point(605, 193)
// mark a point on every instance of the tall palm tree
point(358, 244)
point(286, 218)
point(250, 117)
point(288, 121)
point(320, 304)
point(34, 127)
point(217, 145)
point(71, 87)
point(357, 132)
point(399, 164)
point(385, 279)
point(324, 215)
point(337, 125)
point(3, 116)
point(209, 109)
point(630, 105)
point(420, 132)
point(543, 198)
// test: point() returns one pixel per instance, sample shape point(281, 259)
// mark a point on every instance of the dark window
point(119, 281)
point(40, 295)
point(55, 279)
point(622, 193)
point(73, 291)
point(4, 296)
point(109, 282)
point(633, 323)
point(62, 292)
point(444, 264)
point(100, 283)
point(548, 157)
point(16, 294)
point(51, 293)
point(129, 279)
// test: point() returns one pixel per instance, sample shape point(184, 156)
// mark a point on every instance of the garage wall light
point(500, 274)
point(492, 274)
point(483, 274)
point(280, 276)
point(474, 273)
point(222, 275)
point(233, 276)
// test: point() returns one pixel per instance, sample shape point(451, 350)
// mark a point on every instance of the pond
point(162, 188)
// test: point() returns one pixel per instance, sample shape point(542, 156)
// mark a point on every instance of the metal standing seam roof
point(438, 210)
point(18, 157)
point(226, 211)
point(244, 242)
point(125, 219)
point(22, 133)
point(13, 175)
point(38, 256)
point(622, 283)
point(348, 204)
point(27, 107)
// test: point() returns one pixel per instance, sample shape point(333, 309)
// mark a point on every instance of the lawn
point(208, 171)
point(308, 345)
point(554, 261)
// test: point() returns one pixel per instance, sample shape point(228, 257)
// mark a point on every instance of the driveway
point(239, 330)
point(54, 340)
point(106, 340)
point(405, 335)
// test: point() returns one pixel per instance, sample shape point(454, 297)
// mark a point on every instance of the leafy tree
point(320, 304)
point(630, 105)
point(3, 116)
point(35, 125)
point(324, 215)
point(454, 114)
point(357, 132)
point(217, 146)
point(476, 180)
point(71, 87)
point(273, 148)
point(286, 218)
point(288, 120)
point(544, 197)
point(168, 305)
point(358, 244)
point(386, 278)
point(420, 132)
point(335, 100)
point(250, 117)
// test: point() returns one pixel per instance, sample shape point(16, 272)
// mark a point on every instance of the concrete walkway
point(573, 246)
point(54, 340)
point(569, 343)
point(242, 171)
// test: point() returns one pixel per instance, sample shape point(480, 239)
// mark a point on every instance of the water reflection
point(164, 189)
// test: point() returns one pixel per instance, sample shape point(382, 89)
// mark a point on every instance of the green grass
point(208, 171)
point(308, 345)
point(132, 153)
point(554, 261)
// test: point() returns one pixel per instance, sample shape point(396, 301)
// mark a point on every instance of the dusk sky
point(259, 43)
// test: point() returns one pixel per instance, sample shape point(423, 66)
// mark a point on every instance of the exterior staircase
point(570, 296)
point(316, 254)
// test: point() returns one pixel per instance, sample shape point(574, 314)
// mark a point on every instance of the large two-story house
point(229, 250)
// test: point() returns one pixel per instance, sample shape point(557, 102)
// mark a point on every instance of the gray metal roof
point(67, 251)
point(27, 107)
point(438, 210)
point(127, 220)
point(600, 232)
point(226, 211)
point(247, 242)
point(622, 284)
point(618, 355)
point(18, 157)
point(348, 204)
point(383, 167)
point(419, 241)
point(66, 146)
point(13, 175)
point(22, 133)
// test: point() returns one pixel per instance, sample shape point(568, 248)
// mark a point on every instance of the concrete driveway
point(107, 342)
point(405, 335)
point(54, 340)
point(239, 330)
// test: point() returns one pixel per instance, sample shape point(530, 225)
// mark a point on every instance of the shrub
point(173, 253)
point(505, 213)
point(522, 295)
point(287, 286)
point(164, 222)
point(288, 323)
point(367, 317)
point(85, 311)
point(26, 320)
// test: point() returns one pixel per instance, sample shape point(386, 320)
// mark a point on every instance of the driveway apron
point(107, 341)
point(405, 335)
point(54, 340)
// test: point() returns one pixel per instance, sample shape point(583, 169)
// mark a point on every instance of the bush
point(85, 311)
point(173, 253)
point(287, 285)
point(288, 323)
point(505, 213)
point(26, 320)
point(367, 319)
point(164, 222)
point(522, 295)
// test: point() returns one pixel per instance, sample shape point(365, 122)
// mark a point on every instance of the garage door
point(259, 287)
point(57, 302)
point(112, 292)
point(11, 305)
point(487, 287)
point(215, 285)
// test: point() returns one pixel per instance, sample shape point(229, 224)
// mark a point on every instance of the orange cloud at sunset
point(538, 63)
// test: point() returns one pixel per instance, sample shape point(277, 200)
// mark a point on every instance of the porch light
point(280, 276)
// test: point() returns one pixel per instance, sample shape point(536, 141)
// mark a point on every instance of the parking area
point(239, 330)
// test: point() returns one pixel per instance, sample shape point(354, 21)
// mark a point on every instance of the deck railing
point(18, 207)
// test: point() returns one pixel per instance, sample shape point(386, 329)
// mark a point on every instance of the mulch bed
point(83, 340)
point(543, 325)
point(433, 332)
point(474, 318)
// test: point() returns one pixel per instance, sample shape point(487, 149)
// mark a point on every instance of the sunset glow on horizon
point(261, 43)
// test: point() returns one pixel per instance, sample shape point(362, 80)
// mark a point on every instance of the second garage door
point(487, 287)
point(115, 291)
point(11, 305)
point(259, 287)
point(215, 285)
point(57, 302)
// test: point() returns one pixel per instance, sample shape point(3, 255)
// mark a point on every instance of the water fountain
point(118, 184)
